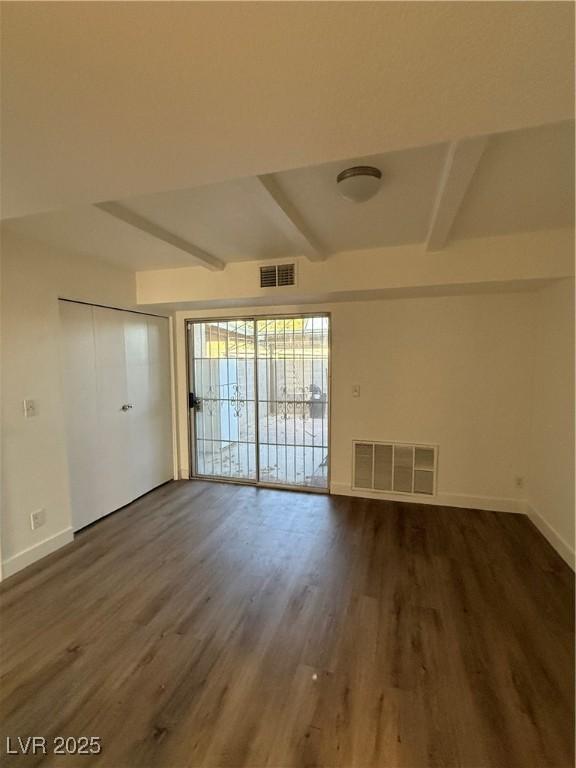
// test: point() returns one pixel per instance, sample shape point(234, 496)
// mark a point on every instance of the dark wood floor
point(217, 625)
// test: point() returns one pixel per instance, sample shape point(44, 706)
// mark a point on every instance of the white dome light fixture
point(360, 183)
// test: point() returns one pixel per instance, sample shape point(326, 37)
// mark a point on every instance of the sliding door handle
point(127, 407)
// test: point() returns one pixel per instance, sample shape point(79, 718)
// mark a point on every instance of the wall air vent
point(395, 467)
point(277, 276)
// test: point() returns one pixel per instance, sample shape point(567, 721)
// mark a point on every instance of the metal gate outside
point(259, 400)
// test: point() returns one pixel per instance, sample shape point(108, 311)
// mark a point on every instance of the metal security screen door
point(223, 399)
point(259, 400)
point(292, 365)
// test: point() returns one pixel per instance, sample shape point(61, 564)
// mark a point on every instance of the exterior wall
point(453, 370)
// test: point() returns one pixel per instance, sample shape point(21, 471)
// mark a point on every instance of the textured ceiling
point(224, 219)
point(524, 182)
point(89, 232)
point(398, 214)
point(113, 100)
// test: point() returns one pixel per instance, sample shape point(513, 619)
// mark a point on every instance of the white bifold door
point(116, 382)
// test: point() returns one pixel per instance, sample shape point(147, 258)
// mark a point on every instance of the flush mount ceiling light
point(360, 183)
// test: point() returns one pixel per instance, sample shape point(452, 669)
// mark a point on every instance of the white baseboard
point(564, 549)
point(36, 552)
point(489, 503)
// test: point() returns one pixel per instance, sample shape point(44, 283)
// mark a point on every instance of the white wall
point(487, 263)
point(452, 370)
point(552, 440)
point(34, 464)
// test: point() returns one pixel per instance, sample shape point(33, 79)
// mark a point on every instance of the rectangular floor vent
point(277, 276)
point(395, 467)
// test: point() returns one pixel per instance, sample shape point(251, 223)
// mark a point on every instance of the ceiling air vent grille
point(395, 467)
point(286, 274)
point(277, 276)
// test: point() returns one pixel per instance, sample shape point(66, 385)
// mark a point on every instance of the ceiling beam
point(460, 165)
point(288, 219)
point(124, 214)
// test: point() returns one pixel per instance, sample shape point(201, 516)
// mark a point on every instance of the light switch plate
point(356, 390)
point(29, 408)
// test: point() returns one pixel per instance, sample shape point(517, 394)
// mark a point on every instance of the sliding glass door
point(259, 400)
point(222, 400)
point(292, 363)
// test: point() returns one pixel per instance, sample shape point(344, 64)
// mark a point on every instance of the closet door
point(138, 394)
point(116, 381)
point(148, 379)
point(114, 463)
point(161, 467)
point(78, 366)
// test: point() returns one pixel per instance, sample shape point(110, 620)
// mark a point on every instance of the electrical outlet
point(37, 518)
point(519, 480)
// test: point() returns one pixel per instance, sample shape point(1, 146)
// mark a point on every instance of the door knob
point(193, 401)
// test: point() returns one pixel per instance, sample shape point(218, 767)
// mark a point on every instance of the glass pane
point(293, 400)
point(223, 381)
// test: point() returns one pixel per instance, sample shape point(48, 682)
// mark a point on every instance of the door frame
point(188, 323)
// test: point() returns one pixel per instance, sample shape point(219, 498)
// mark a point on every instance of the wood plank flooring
point(217, 625)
